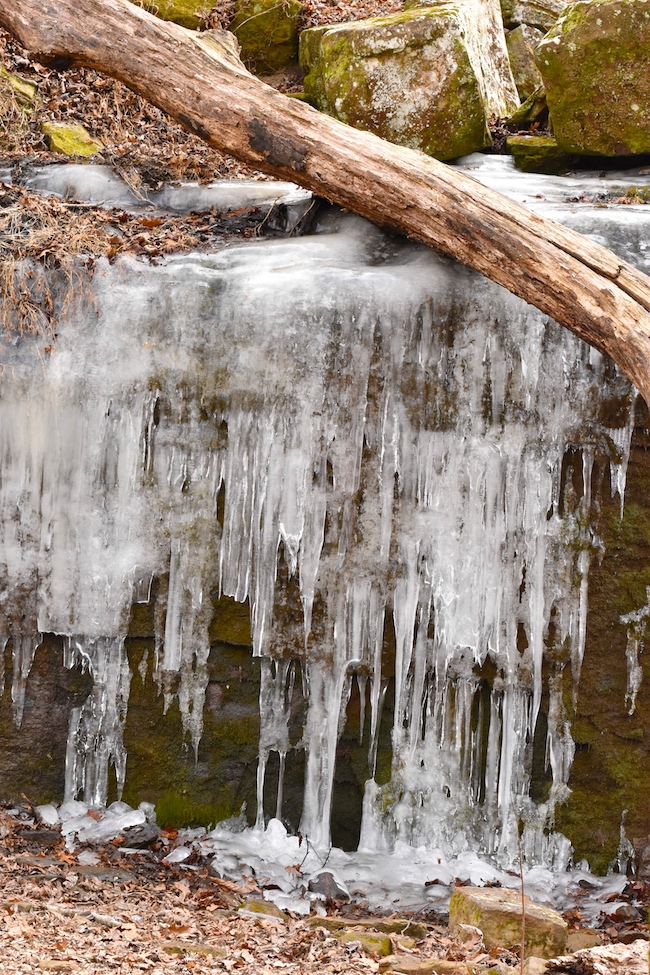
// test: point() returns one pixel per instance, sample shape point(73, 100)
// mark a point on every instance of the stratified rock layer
point(596, 68)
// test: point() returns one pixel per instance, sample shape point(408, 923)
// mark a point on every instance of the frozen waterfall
point(411, 451)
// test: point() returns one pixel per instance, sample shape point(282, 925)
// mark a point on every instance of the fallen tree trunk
point(198, 79)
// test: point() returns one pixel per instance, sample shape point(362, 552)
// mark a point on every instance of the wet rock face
point(409, 77)
point(596, 68)
point(268, 33)
point(32, 757)
point(611, 766)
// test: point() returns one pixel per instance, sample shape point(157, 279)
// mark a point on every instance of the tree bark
point(198, 79)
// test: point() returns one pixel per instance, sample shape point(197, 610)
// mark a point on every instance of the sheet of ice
point(101, 184)
point(79, 826)
point(178, 855)
point(406, 879)
point(637, 626)
point(389, 429)
point(536, 190)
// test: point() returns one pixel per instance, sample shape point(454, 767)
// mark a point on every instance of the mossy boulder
point(497, 912)
point(596, 68)
point(522, 43)
point(253, 905)
point(70, 140)
point(268, 33)
point(536, 13)
point(187, 13)
point(372, 943)
point(409, 77)
point(537, 154)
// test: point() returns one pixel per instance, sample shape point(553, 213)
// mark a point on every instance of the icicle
point(636, 623)
point(96, 729)
point(24, 649)
point(622, 438)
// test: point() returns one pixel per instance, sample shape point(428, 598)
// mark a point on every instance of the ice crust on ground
point(101, 184)
point(406, 879)
point(388, 428)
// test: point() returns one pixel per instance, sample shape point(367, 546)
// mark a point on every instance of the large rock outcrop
point(429, 77)
point(596, 68)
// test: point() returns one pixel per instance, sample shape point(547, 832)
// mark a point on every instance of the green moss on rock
point(70, 140)
point(162, 767)
point(23, 91)
point(267, 31)
point(187, 13)
point(407, 77)
point(497, 912)
point(231, 623)
point(537, 154)
point(596, 68)
point(373, 944)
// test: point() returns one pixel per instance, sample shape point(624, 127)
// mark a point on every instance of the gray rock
point(536, 13)
point(583, 938)
point(326, 885)
point(142, 836)
point(497, 912)
point(522, 43)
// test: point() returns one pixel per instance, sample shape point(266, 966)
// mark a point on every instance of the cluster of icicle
point(390, 429)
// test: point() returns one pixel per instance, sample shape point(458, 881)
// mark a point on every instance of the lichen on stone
point(408, 77)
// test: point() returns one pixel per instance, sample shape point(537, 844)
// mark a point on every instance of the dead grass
point(49, 247)
point(13, 119)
